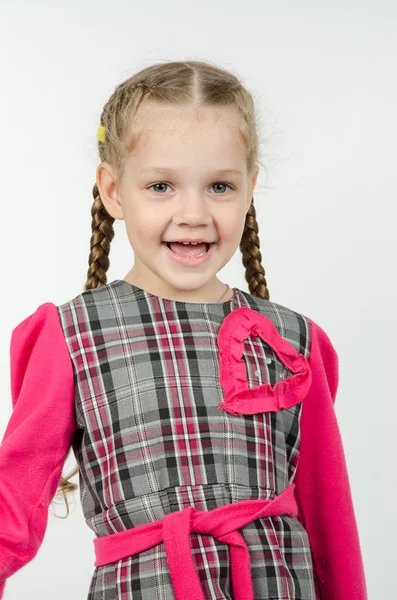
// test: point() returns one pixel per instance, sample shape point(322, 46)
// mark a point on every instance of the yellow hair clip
point(101, 133)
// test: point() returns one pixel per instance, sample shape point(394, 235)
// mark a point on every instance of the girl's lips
point(189, 261)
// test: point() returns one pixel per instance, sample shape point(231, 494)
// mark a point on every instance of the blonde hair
point(182, 83)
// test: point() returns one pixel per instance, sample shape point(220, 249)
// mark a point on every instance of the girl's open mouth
point(185, 259)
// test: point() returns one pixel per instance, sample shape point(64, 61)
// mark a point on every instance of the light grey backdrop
point(324, 79)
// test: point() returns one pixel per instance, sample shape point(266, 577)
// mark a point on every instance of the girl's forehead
point(173, 156)
point(173, 137)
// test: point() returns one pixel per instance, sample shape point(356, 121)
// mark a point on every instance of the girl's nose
point(193, 208)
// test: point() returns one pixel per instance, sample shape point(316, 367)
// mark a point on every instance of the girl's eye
point(223, 183)
point(163, 183)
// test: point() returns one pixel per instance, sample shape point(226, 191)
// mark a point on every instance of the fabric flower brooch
point(241, 399)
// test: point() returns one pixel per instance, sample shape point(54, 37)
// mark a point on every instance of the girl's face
point(188, 198)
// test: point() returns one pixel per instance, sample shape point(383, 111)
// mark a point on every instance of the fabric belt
point(174, 530)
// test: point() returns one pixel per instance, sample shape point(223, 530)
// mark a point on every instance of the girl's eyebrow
point(173, 171)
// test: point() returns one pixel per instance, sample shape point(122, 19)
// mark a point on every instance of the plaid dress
point(151, 440)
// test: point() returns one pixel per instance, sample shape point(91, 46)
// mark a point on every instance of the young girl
point(201, 417)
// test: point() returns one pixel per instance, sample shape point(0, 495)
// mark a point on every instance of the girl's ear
point(251, 185)
point(108, 189)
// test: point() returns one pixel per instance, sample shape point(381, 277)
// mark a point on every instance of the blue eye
point(217, 183)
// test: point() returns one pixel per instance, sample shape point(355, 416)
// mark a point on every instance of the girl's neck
point(222, 293)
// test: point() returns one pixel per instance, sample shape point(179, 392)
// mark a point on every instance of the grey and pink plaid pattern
point(151, 440)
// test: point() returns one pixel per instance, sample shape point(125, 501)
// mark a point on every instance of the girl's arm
point(37, 437)
point(322, 483)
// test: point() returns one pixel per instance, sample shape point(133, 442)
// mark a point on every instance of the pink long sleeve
point(322, 483)
point(37, 437)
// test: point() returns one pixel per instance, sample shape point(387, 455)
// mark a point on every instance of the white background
point(323, 76)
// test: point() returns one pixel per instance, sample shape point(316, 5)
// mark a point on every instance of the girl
point(201, 416)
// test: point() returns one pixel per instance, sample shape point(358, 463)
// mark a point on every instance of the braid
point(252, 258)
point(102, 235)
